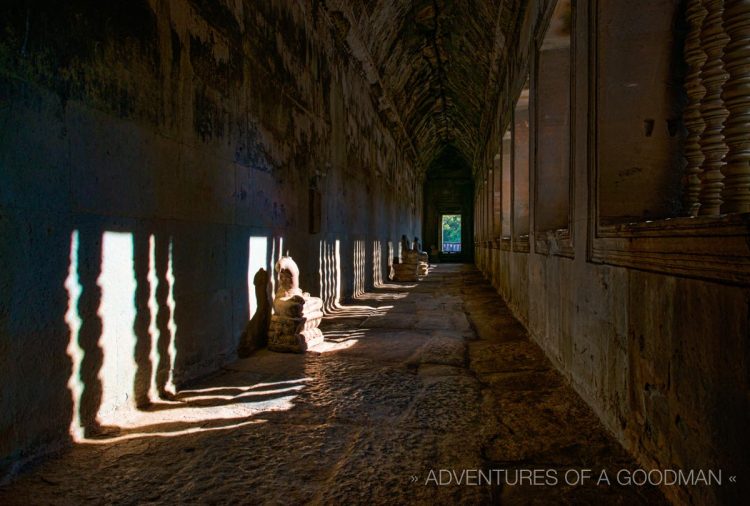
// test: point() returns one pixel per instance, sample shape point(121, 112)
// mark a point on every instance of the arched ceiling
point(449, 163)
point(433, 63)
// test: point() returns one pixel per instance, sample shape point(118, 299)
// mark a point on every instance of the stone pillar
point(736, 95)
point(713, 39)
point(695, 58)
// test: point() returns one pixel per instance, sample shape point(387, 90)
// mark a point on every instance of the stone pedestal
point(296, 334)
point(424, 264)
point(408, 268)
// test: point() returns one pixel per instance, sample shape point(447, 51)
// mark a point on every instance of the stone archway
point(449, 189)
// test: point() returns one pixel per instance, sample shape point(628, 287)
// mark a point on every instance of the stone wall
point(153, 156)
point(649, 321)
point(663, 360)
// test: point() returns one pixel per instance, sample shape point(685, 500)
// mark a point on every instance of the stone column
point(736, 95)
point(713, 39)
point(695, 58)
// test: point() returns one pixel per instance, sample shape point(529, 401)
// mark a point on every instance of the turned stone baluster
point(695, 58)
point(736, 97)
point(713, 40)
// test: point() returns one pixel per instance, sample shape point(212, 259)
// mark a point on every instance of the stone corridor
point(411, 378)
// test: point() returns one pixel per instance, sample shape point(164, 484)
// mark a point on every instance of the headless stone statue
point(407, 268)
point(294, 325)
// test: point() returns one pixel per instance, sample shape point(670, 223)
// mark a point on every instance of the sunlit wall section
point(330, 277)
point(321, 272)
point(257, 259)
point(73, 319)
point(360, 265)
point(169, 386)
point(391, 254)
point(337, 270)
point(117, 311)
point(325, 273)
point(330, 273)
point(153, 309)
point(377, 264)
point(277, 251)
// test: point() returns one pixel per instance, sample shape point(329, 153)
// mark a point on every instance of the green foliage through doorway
point(451, 232)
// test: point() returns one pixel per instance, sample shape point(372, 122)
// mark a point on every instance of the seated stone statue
point(407, 267)
point(294, 325)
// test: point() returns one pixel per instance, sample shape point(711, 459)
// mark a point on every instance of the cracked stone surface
point(411, 379)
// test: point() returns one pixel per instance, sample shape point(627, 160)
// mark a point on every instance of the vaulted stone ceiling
point(433, 63)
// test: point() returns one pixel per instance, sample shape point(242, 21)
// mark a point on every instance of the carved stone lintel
point(736, 95)
point(695, 59)
point(713, 39)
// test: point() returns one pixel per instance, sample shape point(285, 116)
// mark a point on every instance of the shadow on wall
point(377, 264)
point(130, 297)
point(256, 333)
point(330, 274)
point(277, 381)
point(365, 269)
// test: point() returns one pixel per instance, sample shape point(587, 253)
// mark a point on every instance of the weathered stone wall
point(153, 156)
point(663, 359)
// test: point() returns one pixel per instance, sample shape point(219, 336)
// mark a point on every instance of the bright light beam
point(73, 319)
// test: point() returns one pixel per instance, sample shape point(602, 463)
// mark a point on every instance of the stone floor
point(416, 384)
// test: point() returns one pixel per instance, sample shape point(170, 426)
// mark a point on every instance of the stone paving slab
point(492, 357)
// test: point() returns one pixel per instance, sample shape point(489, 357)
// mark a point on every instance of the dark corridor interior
point(449, 189)
point(160, 158)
